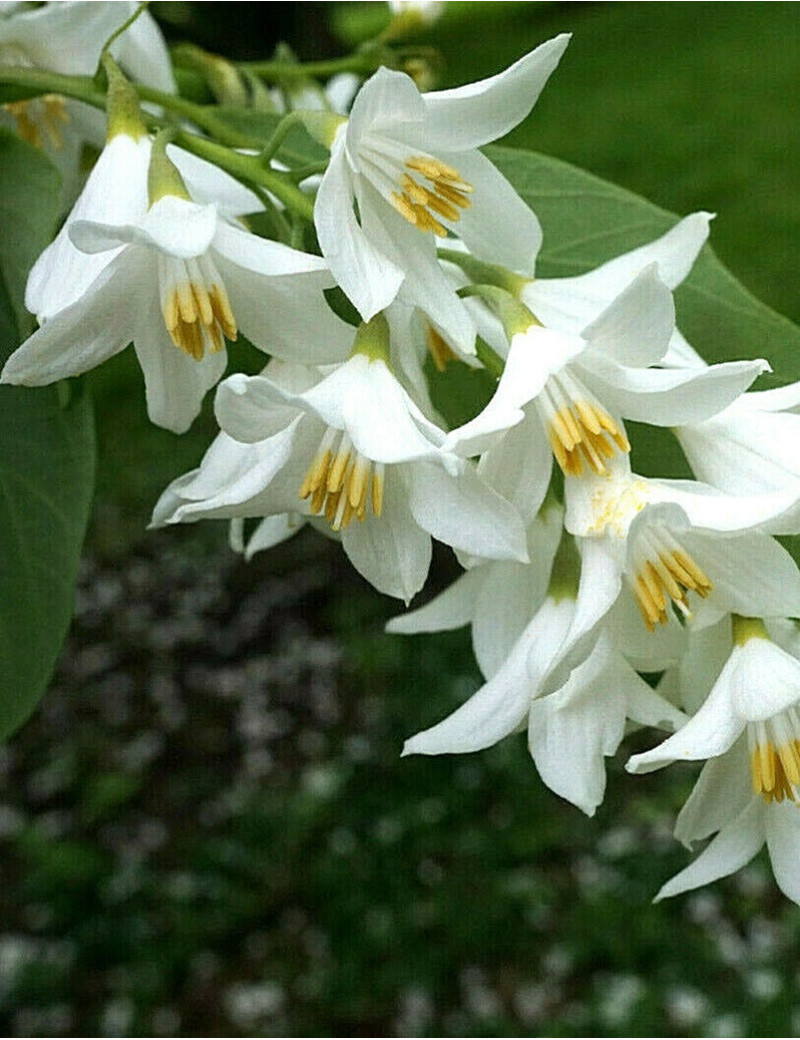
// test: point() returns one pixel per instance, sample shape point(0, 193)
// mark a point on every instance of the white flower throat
point(195, 305)
point(581, 432)
point(341, 482)
point(774, 747)
point(419, 186)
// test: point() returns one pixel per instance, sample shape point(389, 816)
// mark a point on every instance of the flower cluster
point(579, 575)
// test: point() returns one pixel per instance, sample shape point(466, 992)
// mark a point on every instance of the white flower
point(410, 164)
point(751, 446)
point(564, 677)
point(352, 448)
point(568, 392)
point(670, 539)
point(182, 281)
point(749, 729)
point(116, 193)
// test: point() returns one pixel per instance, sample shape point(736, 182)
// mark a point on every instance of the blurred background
point(206, 827)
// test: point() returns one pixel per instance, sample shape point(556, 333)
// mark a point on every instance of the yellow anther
point(341, 481)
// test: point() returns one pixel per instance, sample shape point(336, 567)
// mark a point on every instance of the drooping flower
point(684, 545)
point(354, 449)
point(404, 167)
point(563, 677)
point(748, 730)
point(568, 392)
point(182, 280)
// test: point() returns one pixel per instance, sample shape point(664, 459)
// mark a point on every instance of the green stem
point(362, 63)
point(248, 168)
point(489, 358)
point(41, 81)
point(202, 115)
point(282, 131)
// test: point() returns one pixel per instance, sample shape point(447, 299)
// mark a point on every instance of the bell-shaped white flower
point(680, 543)
point(116, 193)
point(748, 728)
point(568, 392)
point(354, 450)
point(404, 167)
point(181, 282)
point(565, 679)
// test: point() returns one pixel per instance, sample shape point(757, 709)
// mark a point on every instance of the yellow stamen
point(582, 433)
point(39, 120)
point(667, 574)
point(775, 771)
point(199, 318)
point(439, 349)
point(445, 194)
point(341, 481)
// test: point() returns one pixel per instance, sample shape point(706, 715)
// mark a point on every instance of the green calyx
point(486, 274)
point(513, 314)
point(163, 177)
point(322, 126)
point(747, 628)
point(372, 339)
point(122, 103)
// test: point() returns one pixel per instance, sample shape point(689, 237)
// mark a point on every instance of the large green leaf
point(46, 457)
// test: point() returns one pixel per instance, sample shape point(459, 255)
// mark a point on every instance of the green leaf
point(587, 220)
point(46, 457)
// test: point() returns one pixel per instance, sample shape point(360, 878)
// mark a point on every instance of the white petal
point(571, 303)
point(733, 848)
point(463, 512)
point(499, 707)
point(669, 397)
point(782, 823)
point(510, 595)
point(370, 279)
point(752, 574)
point(571, 731)
point(533, 357)
point(386, 99)
point(519, 467)
point(723, 791)
point(116, 191)
point(207, 183)
point(744, 452)
point(288, 316)
point(635, 328)
point(390, 551)
point(142, 53)
point(766, 680)
point(272, 531)
point(175, 384)
point(498, 227)
point(100, 324)
point(453, 608)
point(230, 478)
point(472, 115)
point(253, 408)
point(263, 256)
point(709, 733)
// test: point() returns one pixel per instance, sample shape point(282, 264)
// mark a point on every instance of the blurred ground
point(207, 829)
